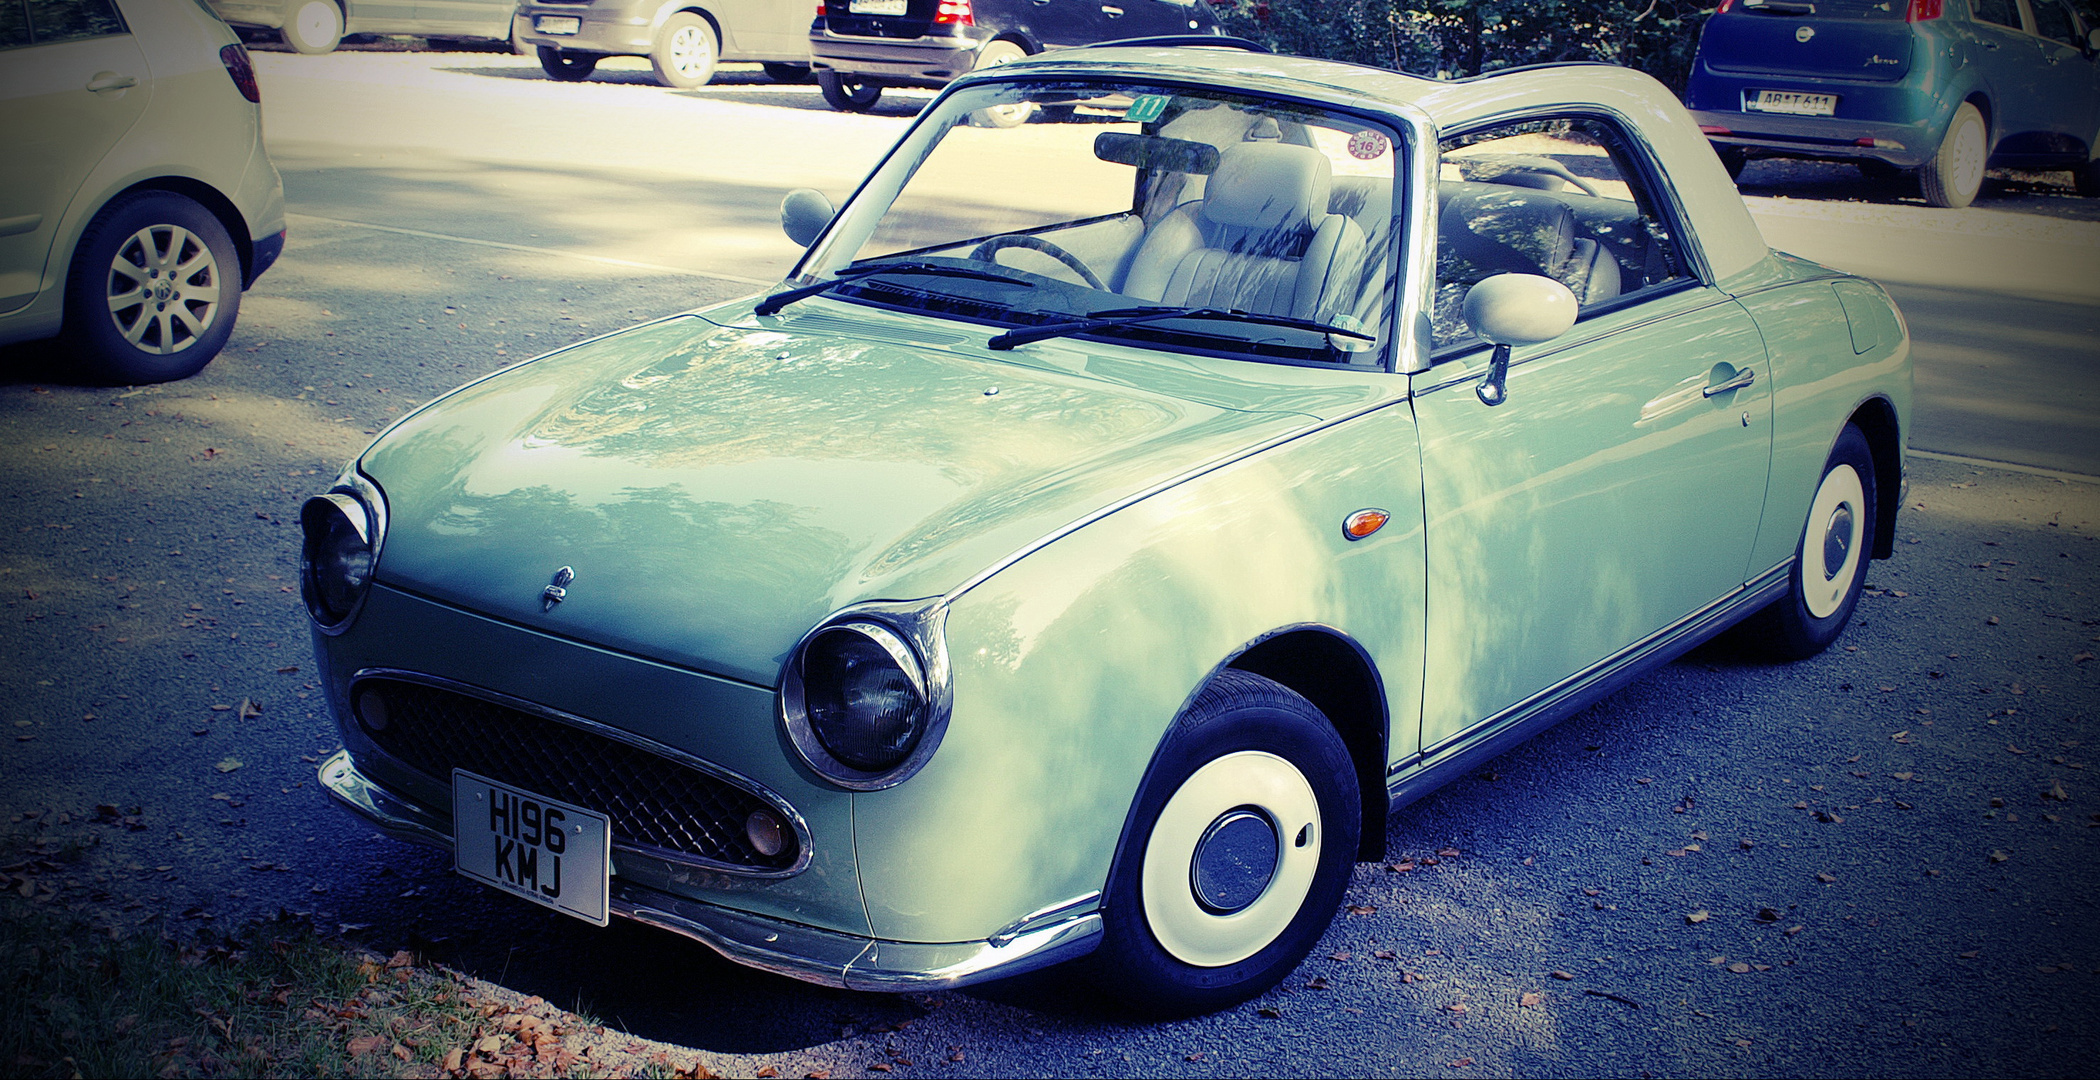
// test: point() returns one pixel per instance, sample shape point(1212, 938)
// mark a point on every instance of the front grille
point(653, 801)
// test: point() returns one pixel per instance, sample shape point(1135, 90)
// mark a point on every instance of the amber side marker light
point(1363, 523)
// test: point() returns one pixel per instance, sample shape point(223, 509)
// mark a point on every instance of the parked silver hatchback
point(136, 200)
point(683, 39)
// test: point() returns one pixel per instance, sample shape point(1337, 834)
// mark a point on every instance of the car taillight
point(1923, 10)
point(822, 9)
point(242, 71)
point(955, 12)
point(1722, 8)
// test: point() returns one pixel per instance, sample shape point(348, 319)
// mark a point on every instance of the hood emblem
point(556, 590)
point(1804, 34)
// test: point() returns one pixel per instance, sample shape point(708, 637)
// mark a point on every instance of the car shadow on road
point(2045, 194)
point(738, 87)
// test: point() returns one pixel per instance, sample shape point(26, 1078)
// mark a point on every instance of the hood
point(718, 490)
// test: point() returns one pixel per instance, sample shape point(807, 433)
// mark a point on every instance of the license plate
point(528, 845)
point(1786, 101)
point(876, 7)
point(558, 24)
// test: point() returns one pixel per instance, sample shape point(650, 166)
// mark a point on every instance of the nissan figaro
point(1166, 462)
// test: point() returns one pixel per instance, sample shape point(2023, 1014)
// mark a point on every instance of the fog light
point(371, 710)
point(765, 832)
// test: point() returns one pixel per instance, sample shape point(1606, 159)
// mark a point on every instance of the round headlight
point(335, 564)
point(865, 695)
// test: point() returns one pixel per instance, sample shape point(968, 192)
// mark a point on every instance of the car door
point(1617, 489)
point(2066, 80)
point(467, 18)
point(72, 82)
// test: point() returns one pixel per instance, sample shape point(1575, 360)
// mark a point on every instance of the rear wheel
point(313, 27)
point(1236, 855)
point(153, 290)
point(846, 93)
point(1955, 174)
point(1830, 563)
point(1733, 158)
point(994, 54)
point(685, 52)
point(562, 65)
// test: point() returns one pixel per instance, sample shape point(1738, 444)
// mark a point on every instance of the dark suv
point(860, 46)
point(1945, 88)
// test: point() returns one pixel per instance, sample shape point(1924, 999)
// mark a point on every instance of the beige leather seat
point(1261, 239)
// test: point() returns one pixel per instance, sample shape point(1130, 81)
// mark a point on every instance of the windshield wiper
point(785, 297)
point(1116, 317)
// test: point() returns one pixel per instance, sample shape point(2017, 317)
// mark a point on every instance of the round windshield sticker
point(1366, 144)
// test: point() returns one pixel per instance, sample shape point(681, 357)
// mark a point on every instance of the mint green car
point(1167, 461)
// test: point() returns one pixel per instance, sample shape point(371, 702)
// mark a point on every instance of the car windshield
point(1087, 201)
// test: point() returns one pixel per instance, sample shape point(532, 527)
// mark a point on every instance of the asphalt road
point(456, 214)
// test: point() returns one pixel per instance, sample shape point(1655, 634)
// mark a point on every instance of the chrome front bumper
point(1053, 935)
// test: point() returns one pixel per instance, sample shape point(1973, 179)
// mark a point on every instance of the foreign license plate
point(558, 24)
point(549, 852)
point(1796, 104)
point(876, 7)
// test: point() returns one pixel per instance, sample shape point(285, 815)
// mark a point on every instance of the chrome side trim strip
point(764, 794)
point(1050, 936)
point(1422, 773)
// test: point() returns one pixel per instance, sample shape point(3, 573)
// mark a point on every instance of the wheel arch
point(1330, 669)
point(687, 7)
point(1022, 38)
point(1876, 419)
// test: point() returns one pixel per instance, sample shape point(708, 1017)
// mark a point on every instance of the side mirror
point(803, 215)
point(1516, 309)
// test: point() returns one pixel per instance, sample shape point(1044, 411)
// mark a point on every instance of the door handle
point(1742, 379)
point(110, 80)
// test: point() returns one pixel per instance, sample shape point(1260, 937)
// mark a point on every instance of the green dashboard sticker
point(1146, 108)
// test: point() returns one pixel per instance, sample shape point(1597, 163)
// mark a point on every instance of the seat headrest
point(1268, 185)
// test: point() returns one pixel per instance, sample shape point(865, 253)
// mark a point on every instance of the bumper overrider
point(1037, 940)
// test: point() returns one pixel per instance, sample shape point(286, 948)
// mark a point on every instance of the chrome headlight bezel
point(913, 633)
point(360, 503)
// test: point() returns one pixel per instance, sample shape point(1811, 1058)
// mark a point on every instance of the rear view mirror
point(1516, 309)
point(803, 215)
point(1156, 152)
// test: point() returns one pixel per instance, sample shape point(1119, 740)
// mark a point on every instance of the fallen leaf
point(250, 709)
point(1459, 1008)
point(1317, 982)
point(1529, 1000)
point(367, 1044)
point(1449, 853)
point(1362, 909)
point(1826, 877)
point(1792, 930)
point(1269, 1012)
point(1739, 968)
point(454, 1058)
point(2056, 791)
point(1697, 917)
point(1767, 914)
point(769, 1072)
point(1460, 1063)
point(1999, 856)
point(1563, 976)
point(227, 765)
point(1971, 954)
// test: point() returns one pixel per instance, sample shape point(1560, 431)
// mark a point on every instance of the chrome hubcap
point(1837, 540)
point(1235, 861)
point(316, 21)
point(163, 289)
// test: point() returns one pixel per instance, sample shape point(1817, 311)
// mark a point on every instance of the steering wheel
point(989, 250)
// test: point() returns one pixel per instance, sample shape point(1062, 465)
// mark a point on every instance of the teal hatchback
point(1941, 88)
point(1165, 462)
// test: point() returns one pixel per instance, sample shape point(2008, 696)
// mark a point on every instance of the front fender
point(1070, 664)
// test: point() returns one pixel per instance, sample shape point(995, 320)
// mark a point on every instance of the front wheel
point(685, 52)
point(1954, 175)
point(847, 94)
point(563, 65)
point(153, 290)
point(1236, 854)
point(313, 27)
point(1830, 563)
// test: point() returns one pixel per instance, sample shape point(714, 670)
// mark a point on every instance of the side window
point(1558, 197)
point(2054, 21)
point(14, 24)
point(2001, 12)
point(54, 21)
